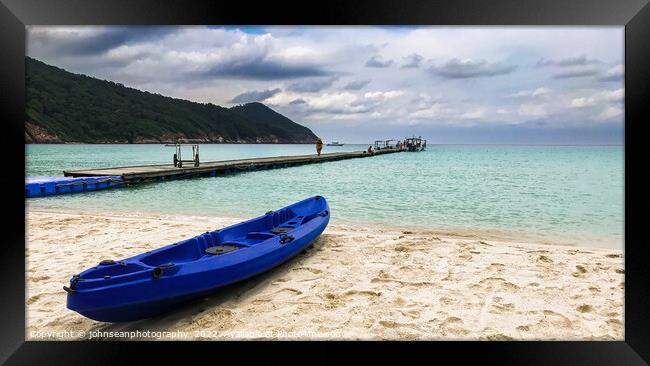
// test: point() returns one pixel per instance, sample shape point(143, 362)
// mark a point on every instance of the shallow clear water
point(558, 191)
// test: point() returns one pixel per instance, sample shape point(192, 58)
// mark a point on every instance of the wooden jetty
point(135, 174)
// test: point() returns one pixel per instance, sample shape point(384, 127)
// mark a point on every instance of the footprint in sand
point(362, 292)
point(585, 308)
point(388, 324)
point(260, 301)
point(491, 282)
point(615, 323)
point(404, 283)
point(33, 299)
point(498, 267)
point(308, 269)
point(544, 259)
point(556, 319)
point(448, 300)
point(453, 326)
point(451, 320)
point(331, 300)
point(411, 313)
point(290, 290)
point(502, 308)
point(497, 337)
point(393, 325)
point(580, 271)
point(523, 328)
point(39, 278)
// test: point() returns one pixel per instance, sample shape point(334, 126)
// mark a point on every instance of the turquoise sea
point(569, 192)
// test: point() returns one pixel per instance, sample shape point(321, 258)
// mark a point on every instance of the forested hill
point(62, 107)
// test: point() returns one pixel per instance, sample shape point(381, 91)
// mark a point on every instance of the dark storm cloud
point(261, 69)
point(570, 61)
point(575, 74)
point(254, 96)
point(412, 61)
point(75, 44)
point(457, 69)
point(375, 61)
point(311, 86)
point(357, 84)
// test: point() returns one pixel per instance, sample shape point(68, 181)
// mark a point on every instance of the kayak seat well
point(280, 217)
point(281, 229)
point(310, 217)
point(257, 236)
point(185, 251)
point(252, 238)
point(222, 249)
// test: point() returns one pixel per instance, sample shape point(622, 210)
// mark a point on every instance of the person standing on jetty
point(319, 146)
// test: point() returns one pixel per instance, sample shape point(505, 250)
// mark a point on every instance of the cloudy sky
point(558, 85)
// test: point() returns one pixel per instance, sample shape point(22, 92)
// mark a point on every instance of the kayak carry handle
point(157, 272)
point(284, 238)
point(73, 284)
point(160, 269)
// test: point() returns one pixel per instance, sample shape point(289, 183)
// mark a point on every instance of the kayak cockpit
point(237, 237)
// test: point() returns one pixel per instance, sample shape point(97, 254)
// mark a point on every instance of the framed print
point(372, 171)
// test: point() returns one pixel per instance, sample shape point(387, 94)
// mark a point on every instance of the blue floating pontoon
point(49, 186)
point(154, 282)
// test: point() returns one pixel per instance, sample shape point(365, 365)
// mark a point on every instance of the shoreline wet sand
point(355, 282)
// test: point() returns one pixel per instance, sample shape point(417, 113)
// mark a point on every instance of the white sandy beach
point(353, 283)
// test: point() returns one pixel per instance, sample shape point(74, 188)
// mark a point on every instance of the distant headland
point(62, 107)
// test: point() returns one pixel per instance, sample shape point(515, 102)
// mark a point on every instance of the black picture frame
point(633, 14)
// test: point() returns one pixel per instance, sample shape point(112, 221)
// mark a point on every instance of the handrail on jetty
point(177, 158)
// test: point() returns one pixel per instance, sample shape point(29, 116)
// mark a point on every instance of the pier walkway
point(135, 174)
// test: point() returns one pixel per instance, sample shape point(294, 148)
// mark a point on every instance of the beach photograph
point(324, 183)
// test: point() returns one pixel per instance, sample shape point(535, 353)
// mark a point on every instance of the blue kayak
point(157, 281)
